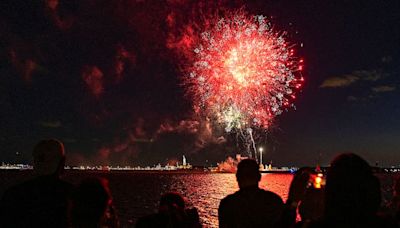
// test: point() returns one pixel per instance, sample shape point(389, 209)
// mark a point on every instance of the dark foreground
point(137, 193)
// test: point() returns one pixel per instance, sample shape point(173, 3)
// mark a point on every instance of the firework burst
point(244, 73)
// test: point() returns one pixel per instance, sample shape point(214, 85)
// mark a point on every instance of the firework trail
point(244, 73)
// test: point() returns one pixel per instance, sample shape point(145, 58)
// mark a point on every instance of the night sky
point(105, 78)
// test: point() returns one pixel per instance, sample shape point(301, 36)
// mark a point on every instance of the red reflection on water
point(278, 183)
point(206, 191)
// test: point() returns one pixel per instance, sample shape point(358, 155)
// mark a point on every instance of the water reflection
point(278, 183)
point(206, 190)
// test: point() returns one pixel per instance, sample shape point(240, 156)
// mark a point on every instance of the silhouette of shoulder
point(250, 207)
point(41, 201)
point(255, 196)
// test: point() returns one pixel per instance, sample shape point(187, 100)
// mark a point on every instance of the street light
point(261, 150)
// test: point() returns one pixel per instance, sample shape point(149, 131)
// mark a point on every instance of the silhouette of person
point(305, 193)
point(250, 206)
point(311, 207)
point(92, 205)
point(171, 213)
point(352, 195)
point(43, 200)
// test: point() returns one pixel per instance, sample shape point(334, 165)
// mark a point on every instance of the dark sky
point(105, 78)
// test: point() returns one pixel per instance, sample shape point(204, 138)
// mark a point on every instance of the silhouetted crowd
point(349, 197)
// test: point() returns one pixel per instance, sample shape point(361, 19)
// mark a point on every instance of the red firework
point(244, 73)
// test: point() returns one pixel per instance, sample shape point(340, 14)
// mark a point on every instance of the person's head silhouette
point(44, 197)
point(92, 204)
point(172, 200)
point(248, 174)
point(48, 157)
point(352, 191)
